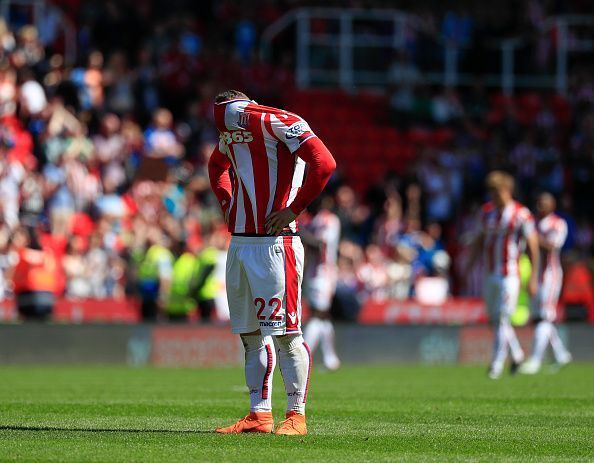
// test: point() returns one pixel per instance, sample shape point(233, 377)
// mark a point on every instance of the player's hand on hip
point(277, 221)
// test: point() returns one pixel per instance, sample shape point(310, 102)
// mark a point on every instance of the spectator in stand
point(389, 225)
point(8, 90)
point(160, 140)
point(76, 154)
point(154, 273)
point(31, 95)
point(7, 41)
point(34, 276)
point(8, 259)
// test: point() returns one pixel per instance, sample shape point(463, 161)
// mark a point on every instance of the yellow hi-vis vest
point(208, 259)
point(522, 313)
point(181, 300)
point(149, 266)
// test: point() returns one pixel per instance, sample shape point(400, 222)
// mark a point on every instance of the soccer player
point(552, 232)
point(505, 226)
point(321, 237)
point(257, 173)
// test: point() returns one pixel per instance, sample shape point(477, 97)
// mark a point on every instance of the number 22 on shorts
point(275, 304)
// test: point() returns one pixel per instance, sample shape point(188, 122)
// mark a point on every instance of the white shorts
point(263, 279)
point(544, 304)
point(501, 296)
point(320, 289)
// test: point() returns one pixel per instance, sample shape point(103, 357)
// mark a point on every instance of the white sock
point(499, 347)
point(313, 333)
point(559, 350)
point(295, 364)
point(328, 350)
point(542, 334)
point(514, 345)
point(260, 360)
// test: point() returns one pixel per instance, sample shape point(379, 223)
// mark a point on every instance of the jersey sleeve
point(220, 181)
point(558, 234)
point(333, 232)
point(290, 129)
point(527, 227)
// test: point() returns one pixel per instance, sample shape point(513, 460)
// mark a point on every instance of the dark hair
point(230, 95)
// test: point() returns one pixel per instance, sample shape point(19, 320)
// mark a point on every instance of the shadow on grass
point(114, 430)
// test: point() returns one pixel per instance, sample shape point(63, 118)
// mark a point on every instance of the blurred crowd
point(103, 160)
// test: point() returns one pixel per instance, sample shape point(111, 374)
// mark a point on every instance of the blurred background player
point(552, 233)
point(321, 237)
point(505, 226)
point(266, 149)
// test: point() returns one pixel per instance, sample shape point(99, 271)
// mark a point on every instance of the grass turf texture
point(376, 413)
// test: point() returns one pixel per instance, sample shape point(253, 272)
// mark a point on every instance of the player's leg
point(331, 360)
point(319, 294)
point(542, 333)
point(295, 364)
point(260, 357)
point(293, 352)
point(560, 352)
point(313, 330)
point(511, 289)
point(493, 294)
point(260, 361)
point(274, 271)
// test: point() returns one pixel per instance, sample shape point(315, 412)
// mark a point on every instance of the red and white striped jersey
point(505, 233)
point(325, 226)
point(260, 142)
point(552, 231)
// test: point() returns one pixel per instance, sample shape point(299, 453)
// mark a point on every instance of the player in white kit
point(321, 237)
point(552, 233)
point(505, 227)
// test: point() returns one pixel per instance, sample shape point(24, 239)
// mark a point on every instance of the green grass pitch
point(363, 413)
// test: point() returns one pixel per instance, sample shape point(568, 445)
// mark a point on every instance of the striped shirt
point(552, 230)
point(325, 227)
point(260, 143)
point(505, 232)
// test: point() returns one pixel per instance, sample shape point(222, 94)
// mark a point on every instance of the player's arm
point(532, 245)
point(311, 240)
point(534, 255)
point(220, 182)
point(320, 165)
point(555, 239)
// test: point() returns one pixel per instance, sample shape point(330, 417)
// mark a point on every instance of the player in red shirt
point(321, 237)
point(257, 173)
point(552, 233)
point(505, 227)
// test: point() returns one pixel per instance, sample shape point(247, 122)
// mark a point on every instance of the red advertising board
point(195, 346)
point(84, 311)
point(476, 343)
point(407, 312)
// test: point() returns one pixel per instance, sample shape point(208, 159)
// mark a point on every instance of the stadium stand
point(102, 152)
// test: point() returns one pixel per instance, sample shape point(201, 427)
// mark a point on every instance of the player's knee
point(253, 341)
point(321, 314)
point(287, 342)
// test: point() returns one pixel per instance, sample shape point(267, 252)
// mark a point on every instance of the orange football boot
point(254, 422)
point(294, 425)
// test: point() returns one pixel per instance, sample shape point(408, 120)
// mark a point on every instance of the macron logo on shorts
point(293, 318)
